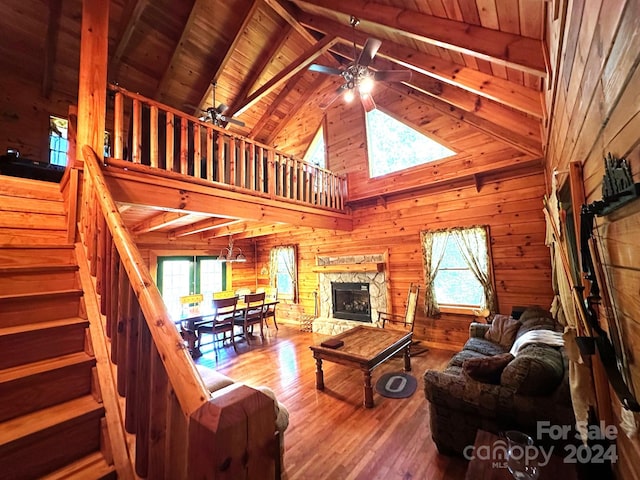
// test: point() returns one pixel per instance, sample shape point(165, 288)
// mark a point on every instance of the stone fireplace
point(367, 271)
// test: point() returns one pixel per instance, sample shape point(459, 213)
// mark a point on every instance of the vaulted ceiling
point(480, 61)
point(476, 62)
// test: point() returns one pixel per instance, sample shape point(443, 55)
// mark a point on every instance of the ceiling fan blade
point(314, 67)
point(222, 108)
point(367, 102)
point(369, 51)
point(235, 121)
point(392, 75)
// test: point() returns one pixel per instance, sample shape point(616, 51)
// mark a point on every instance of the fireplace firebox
point(351, 301)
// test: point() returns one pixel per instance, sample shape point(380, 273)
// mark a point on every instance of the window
point(58, 144)
point(316, 153)
point(394, 146)
point(457, 270)
point(180, 276)
point(284, 271)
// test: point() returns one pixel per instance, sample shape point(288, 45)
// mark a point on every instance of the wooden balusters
point(230, 159)
point(170, 144)
point(118, 126)
point(153, 136)
point(143, 402)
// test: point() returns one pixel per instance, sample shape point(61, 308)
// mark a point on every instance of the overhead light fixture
point(229, 255)
point(348, 95)
point(365, 85)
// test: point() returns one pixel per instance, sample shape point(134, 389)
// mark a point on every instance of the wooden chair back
point(254, 309)
point(224, 309)
point(224, 294)
point(405, 321)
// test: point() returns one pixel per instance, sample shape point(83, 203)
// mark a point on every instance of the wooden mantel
point(349, 267)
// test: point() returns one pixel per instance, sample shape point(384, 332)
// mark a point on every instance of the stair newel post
point(159, 391)
point(124, 307)
point(143, 400)
point(178, 440)
point(112, 298)
point(133, 332)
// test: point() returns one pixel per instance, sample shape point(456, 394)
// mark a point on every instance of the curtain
point(288, 255)
point(473, 245)
point(433, 246)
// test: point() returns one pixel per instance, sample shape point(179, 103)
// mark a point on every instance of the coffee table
point(364, 348)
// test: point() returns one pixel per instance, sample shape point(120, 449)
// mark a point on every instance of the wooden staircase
point(52, 419)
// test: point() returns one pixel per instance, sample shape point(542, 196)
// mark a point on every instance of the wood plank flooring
point(331, 435)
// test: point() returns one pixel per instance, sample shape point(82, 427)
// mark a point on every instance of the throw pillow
point(537, 370)
point(503, 331)
point(487, 369)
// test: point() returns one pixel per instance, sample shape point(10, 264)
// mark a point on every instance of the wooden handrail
point(190, 389)
point(203, 150)
point(168, 407)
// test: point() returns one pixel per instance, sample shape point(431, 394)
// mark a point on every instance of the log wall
point(511, 206)
point(24, 118)
point(595, 110)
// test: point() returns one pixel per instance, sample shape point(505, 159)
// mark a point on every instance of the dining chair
point(242, 291)
point(270, 295)
point(221, 321)
point(224, 294)
point(253, 313)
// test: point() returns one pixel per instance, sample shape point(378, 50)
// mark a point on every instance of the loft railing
point(147, 132)
point(180, 432)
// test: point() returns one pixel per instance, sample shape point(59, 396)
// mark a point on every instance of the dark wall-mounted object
point(13, 165)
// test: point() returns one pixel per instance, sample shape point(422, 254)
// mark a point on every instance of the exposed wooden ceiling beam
point(161, 220)
point(255, 230)
point(258, 68)
point(230, 49)
point(175, 57)
point(302, 100)
point(290, 14)
point(302, 62)
point(508, 49)
point(203, 226)
point(131, 17)
point(514, 95)
point(238, 230)
point(498, 132)
point(520, 124)
point(51, 45)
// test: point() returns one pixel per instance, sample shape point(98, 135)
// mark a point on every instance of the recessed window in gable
point(316, 153)
point(394, 146)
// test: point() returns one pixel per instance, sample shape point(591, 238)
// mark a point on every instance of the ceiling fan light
point(366, 85)
point(349, 96)
point(241, 258)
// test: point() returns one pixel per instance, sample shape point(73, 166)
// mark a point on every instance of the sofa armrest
point(478, 330)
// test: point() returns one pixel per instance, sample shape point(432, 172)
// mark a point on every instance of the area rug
point(396, 385)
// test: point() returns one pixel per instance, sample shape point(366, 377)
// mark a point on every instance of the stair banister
point(229, 436)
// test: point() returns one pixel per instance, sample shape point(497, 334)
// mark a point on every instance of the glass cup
point(522, 456)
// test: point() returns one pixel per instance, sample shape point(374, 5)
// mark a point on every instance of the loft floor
point(331, 435)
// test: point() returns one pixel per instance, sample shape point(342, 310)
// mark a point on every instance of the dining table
point(189, 321)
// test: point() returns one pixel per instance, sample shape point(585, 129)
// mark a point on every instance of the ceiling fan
point(216, 115)
point(358, 77)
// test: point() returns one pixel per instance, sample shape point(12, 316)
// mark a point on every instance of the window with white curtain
point(284, 271)
point(457, 270)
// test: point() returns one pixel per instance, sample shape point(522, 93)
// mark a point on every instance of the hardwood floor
point(331, 435)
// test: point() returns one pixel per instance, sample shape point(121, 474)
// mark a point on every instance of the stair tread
point(31, 423)
point(51, 293)
point(62, 267)
point(43, 325)
point(50, 364)
point(91, 466)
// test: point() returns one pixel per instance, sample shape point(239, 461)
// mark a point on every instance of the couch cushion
point(485, 347)
point(487, 369)
point(536, 318)
point(212, 379)
point(459, 358)
point(503, 331)
point(536, 370)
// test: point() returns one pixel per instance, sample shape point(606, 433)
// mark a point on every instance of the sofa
point(486, 387)
point(218, 384)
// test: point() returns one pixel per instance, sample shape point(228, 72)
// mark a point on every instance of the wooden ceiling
point(479, 61)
